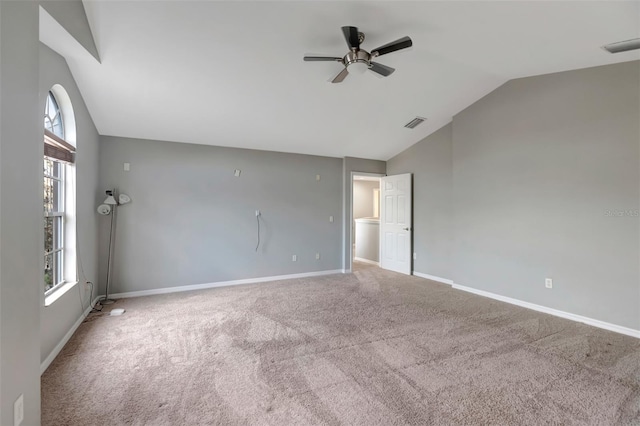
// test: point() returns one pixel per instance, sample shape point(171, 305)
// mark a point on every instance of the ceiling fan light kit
point(359, 60)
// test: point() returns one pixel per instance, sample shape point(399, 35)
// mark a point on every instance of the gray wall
point(192, 222)
point(20, 210)
point(362, 201)
point(537, 164)
point(363, 198)
point(21, 236)
point(57, 319)
point(349, 165)
point(430, 162)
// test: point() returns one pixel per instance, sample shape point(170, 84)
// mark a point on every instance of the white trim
point(66, 111)
point(371, 262)
point(433, 278)
point(56, 293)
point(573, 317)
point(55, 351)
point(220, 284)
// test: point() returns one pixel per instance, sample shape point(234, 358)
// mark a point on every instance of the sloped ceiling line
point(230, 73)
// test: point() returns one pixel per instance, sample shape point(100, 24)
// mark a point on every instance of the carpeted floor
point(371, 348)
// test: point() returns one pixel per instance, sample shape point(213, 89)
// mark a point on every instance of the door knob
point(406, 229)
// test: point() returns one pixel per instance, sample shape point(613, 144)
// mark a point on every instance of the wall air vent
point(415, 123)
point(623, 46)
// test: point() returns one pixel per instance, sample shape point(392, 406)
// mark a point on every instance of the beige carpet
point(372, 348)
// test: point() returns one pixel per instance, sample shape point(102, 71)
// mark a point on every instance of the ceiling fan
point(361, 59)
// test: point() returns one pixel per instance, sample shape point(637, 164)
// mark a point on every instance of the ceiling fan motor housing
point(358, 56)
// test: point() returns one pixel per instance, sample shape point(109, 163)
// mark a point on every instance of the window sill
point(50, 299)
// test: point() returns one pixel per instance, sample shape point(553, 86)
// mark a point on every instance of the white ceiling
point(231, 73)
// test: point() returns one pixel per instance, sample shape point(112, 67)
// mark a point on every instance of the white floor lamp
point(110, 206)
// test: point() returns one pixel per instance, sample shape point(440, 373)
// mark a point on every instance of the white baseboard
point(54, 353)
point(363, 260)
point(579, 318)
point(221, 284)
point(433, 278)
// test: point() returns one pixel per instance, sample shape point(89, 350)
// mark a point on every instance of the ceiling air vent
point(414, 123)
point(623, 46)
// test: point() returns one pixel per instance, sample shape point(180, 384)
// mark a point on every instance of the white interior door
point(395, 223)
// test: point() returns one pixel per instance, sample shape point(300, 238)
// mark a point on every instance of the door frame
point(350, 247)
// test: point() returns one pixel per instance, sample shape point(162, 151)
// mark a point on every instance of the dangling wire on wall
point(258, 222)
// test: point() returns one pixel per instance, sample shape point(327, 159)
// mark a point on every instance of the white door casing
point(395, 223)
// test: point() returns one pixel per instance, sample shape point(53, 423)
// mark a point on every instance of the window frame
point(57, 117)
point(58, 232)
point(58, 208)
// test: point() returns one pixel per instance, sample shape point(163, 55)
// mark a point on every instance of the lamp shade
point(110, 200)
point(104, 209)
point(123, 199)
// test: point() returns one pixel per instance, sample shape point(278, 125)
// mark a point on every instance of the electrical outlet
point(331, 219)
point(317, 256)
point(317, 177)
point(415, 255)
point(294, 258)
point(127, 167)
point(18, 411)
point(236, 172)
point(548, 283)
point(257, 212)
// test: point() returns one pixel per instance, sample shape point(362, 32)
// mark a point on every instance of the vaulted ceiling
point(231, 73)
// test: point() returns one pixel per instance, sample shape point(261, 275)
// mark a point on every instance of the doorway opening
point(365, 219)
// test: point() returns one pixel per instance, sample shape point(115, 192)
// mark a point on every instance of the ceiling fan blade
point(321, 58)
point(383, 70)
point(341, 76)
point(399, 44)
point(352, 38)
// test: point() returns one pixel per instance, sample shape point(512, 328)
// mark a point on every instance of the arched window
point(59, 194)
point(53, 116)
